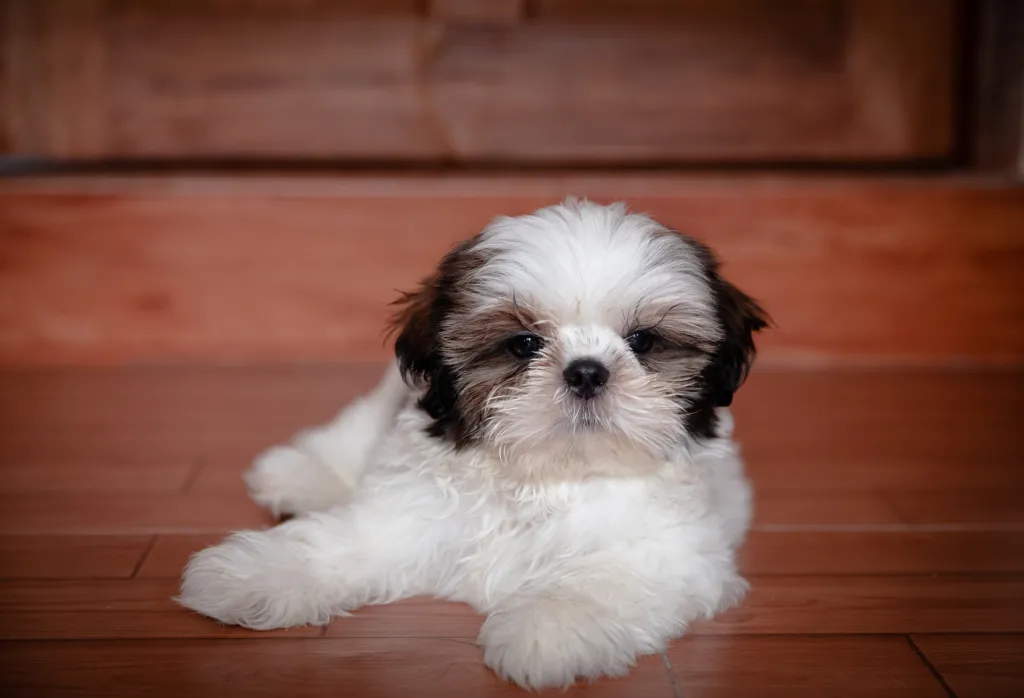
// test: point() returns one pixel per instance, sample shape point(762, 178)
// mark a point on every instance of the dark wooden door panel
point(554, 82)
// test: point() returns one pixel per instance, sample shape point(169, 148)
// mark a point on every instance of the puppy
point(552, 446)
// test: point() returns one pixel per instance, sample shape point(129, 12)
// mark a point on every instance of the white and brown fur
point(589, 530)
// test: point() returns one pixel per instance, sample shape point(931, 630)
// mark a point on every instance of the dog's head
point(579, 329)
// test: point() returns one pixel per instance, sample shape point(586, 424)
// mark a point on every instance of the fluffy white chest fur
point(588, 529)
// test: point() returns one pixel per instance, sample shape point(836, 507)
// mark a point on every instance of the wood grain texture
point(787, 667)
point(134, 514)
point(977, 666)
point(977, 507)
point(772, 552)
point(102, 609)
point(789, 605)
point(56, 78)
point(881, 552)
point(95, 476)
point(852, 270)
point(894, 542)
point(329, 668)
point(469, 82)
point(849, 604)
point(71, 557)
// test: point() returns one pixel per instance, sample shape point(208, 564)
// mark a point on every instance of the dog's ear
point(740, 317)
point(417, 349)
point(416, 340)
point(418, 320)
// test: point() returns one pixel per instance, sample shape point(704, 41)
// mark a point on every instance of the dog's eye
point(640, 341)
point(524, 346)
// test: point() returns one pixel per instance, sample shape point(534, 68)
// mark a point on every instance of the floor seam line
point(676, 690)
point(145, 556)
point(931, 667)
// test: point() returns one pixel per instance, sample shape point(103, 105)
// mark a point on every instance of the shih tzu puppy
point(552, 446)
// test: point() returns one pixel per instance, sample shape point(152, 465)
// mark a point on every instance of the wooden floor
point(887, 557)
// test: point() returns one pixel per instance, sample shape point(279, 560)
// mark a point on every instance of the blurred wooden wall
point(855, 162)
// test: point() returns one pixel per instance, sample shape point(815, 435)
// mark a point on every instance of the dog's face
point(576, 331)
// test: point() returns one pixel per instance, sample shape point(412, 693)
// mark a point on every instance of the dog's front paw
point(549, 643)
point(254, 581)
point(289, 480)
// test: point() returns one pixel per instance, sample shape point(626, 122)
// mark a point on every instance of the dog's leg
point(320, 467)
point(306, 570)
point(596, 622)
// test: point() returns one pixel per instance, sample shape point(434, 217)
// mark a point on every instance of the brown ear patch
point(415, 343)
point(418, 319)
point(740, 317)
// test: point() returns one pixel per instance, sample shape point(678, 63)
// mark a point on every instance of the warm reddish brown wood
point(329, 668)
point(56, 78)
point(113, 514)
point(881, 552)
point(31, 477)
point(273, 269)
point(977, 666)
point(800, 508)
point(852, 604)
point(835, 79)
point(849, 431)
point(886, 507)
point(89, 610)
point(171, 552)
point(421, 617)
point(71, 557)
point(790, 605)
point(870, 430)
point(975, 507)
point(493, 12)
point(771, 552)
point(787, 667)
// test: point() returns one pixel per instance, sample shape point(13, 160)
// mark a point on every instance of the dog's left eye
point(524, 346)
point(640, 341)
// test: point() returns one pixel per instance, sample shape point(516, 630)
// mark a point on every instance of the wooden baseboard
point(269, 268)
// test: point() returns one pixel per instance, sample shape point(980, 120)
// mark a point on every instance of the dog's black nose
point(585, 377)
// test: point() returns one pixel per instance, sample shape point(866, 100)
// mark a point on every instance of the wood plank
point(794, 605)
point(207, 279)
point(134, 514)
point(71, 557)
point(997, 137)
point(702, 81)
point(57, 63)
point(673, 70)
point(977, 666)
point(781, 605)
point(199, 668)
point(887, 429)
point(881, 552)
point(17, 477)
point(171, 552)
point(790, 667)
point(92, 610)
point(799, 429)
point(774, 552)
point(968, 507)
point(802, 508)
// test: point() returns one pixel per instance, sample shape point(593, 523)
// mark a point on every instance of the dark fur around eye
point(524, 346)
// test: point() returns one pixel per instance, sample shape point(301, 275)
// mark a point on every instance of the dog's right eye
point(524, 346)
